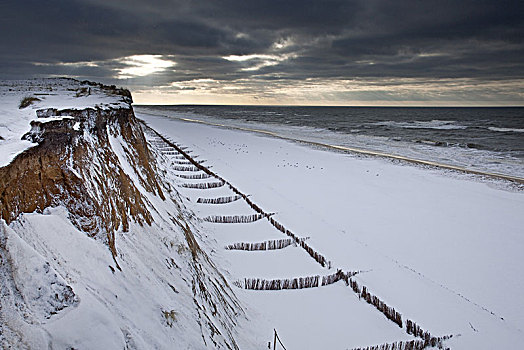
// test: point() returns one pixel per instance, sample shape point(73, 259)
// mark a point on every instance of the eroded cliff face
point(75, 166)
point(89, 196)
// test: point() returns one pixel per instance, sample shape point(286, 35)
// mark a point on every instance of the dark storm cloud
point(322, 39)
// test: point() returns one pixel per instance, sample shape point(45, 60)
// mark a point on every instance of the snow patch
point(53, 94)
point(53, 119)
point(43, 289)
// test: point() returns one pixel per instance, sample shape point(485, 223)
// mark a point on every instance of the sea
point(481, 139)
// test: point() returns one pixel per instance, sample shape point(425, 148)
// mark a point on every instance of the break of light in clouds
point(260, 61)
point(123, 67)
point(334, 52)
point(142, 65)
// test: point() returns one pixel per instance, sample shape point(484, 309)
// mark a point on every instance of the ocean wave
point(492, 128)
point(450, 144)
point(485, 154)
point(420, 124)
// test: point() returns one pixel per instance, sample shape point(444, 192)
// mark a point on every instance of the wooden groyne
point(388, 311)
point(233, 219)
point(186, 168)
point(203, 186)
point(267, 245)
point(193, 176)
point(218, 200)
point(294, 283)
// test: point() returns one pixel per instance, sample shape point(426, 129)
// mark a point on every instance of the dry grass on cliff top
point(27, 101)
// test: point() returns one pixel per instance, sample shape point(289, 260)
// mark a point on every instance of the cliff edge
point(96, 248)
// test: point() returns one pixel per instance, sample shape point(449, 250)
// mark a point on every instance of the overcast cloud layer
point(290, 52)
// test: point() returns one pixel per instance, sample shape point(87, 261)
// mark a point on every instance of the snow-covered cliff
point(96, 247)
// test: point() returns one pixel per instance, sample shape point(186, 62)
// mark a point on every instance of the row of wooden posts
point(186, 162)
point(183, 162)
point(233, 219)
point(401, 345)
point(203, 185)
point(279, 284)
point(194, 176)
point(409, 344)
point(338, 276)
point(413, 328)
point(429, 340)
point(218, 200)
point(267, 245)
point(185, 168)
point(295, 283)
point(314, 254)
point(388, 311)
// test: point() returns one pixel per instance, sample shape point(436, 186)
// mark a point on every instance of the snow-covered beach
point(443, 249)
point(161, 232)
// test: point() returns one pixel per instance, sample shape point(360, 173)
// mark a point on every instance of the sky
point(281, 52)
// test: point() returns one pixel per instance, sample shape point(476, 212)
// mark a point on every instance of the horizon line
point(334, 106)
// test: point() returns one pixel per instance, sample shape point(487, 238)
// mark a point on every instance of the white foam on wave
point(492, 128)
point(421, 124)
